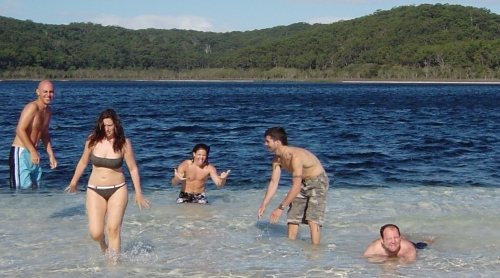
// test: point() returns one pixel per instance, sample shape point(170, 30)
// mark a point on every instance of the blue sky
point(206, 15)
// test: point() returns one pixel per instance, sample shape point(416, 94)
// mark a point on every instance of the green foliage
point(407, 42)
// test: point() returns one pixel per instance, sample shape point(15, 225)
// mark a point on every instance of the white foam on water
point(46, 235)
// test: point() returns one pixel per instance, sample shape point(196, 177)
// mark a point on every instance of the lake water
point(422, 156)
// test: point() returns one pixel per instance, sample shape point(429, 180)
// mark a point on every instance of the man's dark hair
point(387, 226)
point(277, 133)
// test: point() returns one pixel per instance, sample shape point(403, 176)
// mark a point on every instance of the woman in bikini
point(106, 148)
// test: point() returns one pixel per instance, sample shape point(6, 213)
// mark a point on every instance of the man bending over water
point(306, 199)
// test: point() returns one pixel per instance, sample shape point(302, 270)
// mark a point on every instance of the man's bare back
point(311, 166)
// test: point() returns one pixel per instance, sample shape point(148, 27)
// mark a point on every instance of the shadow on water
point(140, 252)
point(272, 230)
point(224, 198)
point(139, 247)
point(68, 212)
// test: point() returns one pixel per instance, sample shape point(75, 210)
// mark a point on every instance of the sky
point(207, 15)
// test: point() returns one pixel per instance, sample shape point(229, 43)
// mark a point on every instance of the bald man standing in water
point(33, 126)
point(307, 196)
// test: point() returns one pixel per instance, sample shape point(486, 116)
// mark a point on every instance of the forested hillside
point(409, 42)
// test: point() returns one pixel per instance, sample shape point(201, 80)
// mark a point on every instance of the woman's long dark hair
point(99, 134)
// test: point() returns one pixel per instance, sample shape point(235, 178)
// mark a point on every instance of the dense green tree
point(407, 42)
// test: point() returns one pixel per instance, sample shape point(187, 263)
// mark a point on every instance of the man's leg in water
point(295, 216)
point(315, 232)
point(293, 230)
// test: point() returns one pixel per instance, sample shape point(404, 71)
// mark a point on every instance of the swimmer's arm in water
point(48, 147)
point(408, 252)
point(48, 143)
point(80, 168)
point(220, 181)
point(370, 250)
point(297, 168)
point(272, 187)
point(129, 157)
point(180, 173)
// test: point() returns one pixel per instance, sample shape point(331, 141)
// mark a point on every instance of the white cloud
point(400, 2)
point(343, 2)
point(9, 6)
point(157, 22)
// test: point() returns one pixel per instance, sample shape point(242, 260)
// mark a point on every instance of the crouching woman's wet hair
point(203, 147)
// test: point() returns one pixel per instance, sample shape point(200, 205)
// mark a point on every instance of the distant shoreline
point(367, 81)
point(427, 82)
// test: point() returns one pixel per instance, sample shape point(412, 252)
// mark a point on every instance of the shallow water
point(424, 157)
point(46, 235)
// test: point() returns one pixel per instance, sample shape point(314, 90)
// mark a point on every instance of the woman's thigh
point(117, 204)
point(96, 210)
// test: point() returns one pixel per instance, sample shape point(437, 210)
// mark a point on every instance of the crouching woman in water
point(193, 174)
point(106, 148)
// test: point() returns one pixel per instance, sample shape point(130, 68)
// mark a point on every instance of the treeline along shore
point(438, 42)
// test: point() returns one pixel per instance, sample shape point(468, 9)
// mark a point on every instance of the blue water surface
point(366, 135)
